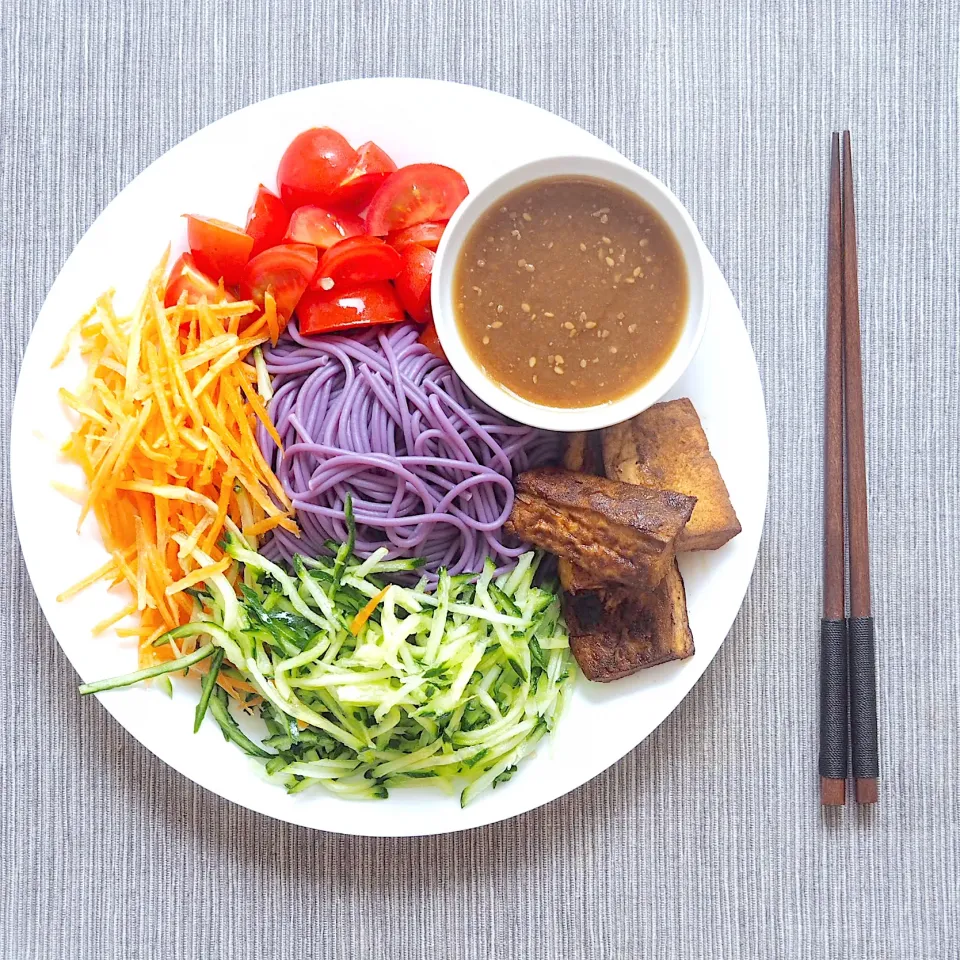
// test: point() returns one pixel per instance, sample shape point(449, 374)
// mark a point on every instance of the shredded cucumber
point(454, 685)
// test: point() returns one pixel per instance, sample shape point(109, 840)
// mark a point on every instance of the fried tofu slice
point(617, 532)
point(582, 452)
point(665, 448)
point(575, 579)
point(616, 632)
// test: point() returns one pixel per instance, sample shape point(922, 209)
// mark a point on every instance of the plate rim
point(32, 565)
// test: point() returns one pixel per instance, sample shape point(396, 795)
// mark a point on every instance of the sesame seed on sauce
point(556, 264)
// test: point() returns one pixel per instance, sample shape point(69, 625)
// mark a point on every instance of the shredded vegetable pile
point(166, 439)
point(364, 685)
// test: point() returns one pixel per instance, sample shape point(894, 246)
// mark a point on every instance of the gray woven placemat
point(707, 841)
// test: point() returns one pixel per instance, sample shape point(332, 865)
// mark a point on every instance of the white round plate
point(215, 172)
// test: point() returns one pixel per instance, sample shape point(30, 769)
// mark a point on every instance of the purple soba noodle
point(376, 415)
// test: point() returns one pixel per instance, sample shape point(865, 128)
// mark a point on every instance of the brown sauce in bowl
point(571, 292)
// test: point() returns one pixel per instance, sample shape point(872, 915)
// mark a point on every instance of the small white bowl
point(628, 177)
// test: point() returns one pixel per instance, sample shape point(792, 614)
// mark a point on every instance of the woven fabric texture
point(706, 841)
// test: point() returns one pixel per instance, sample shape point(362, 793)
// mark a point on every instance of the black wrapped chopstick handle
point(863, 698)
point(833, 699)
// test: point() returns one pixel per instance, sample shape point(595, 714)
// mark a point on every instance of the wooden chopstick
point(862, 664)
point(833, 631)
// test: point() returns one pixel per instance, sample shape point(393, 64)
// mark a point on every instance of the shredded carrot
point(68, 340)
point(356, 624)
point(202, 573)
point(253, 398)
point(166, 420)
point(116, 618)
point(133, 631)
point(270, 316)
point(238, 689)
point(268, 523)
point(108, 568)
point(71, 493)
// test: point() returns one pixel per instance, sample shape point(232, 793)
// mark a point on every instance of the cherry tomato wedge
point(186, 276)
point(320, 227)
point(413, 281)
point(267, 220)
point(431, 341)
point(313, 167)
point(219, 248)
point(426, 234)
point(358, 260)
point(414, 194)
point(373, 166)
point(323, 311)
point(286, 269)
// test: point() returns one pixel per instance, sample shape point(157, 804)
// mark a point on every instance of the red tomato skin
point(373, 166)
point(185, 275)
point(313, 167)
point(431, 341)
point(358, 260)
point(326, 311)
point(267, 220)
point(414, 194)
point(426, 234)
point(220, 249)
point(286, 269)
point(413, 282)
point(321, 227)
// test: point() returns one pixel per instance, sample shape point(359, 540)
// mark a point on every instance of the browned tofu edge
point(631, 633)
point(653, 435)
point(616, 532)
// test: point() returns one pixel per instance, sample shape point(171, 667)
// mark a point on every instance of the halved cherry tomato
point(413, 281)
point(220, 249)
point(323, 311)
point(358, 260)
point(187, 277)
point(267, 220)
point(311, 224)
point(431, 341)
point(313, 167)
point(286, 269)
point(426, 234)
point(373, 166)
point(419, 192)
